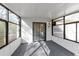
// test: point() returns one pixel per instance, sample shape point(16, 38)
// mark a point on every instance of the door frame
point(41, 23)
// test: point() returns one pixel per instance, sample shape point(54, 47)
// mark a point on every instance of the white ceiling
point(39, 10)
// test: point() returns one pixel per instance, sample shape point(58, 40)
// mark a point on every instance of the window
point(13, 18)
point(13, 26)
point(3, 13)
point(58, 27)
point(10, 26)
point(70, 31)
point(2, 33)
point(13, 32)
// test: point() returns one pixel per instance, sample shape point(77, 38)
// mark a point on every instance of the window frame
point(7, 24)
point(75, 28)
point(76, 22)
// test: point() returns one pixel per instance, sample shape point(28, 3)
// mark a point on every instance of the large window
point(72, 27)
point(2, 33)
point(10, 26)
point(58, 27)
point(13, 26)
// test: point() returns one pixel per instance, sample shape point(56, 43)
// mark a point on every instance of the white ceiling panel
point(40, 10)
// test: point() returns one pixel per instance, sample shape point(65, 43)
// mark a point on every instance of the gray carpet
point(48, 48)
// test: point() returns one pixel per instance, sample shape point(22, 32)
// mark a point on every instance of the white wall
point(29, 33)
point(26, 33)
point(71, 46)
point(10, 48)
point(49, 33)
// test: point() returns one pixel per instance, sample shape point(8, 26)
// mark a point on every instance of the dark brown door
point(39, 31)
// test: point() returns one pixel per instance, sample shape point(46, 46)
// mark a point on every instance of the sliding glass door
point(39, 31)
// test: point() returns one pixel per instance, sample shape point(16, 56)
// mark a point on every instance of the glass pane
point(13, 32)
point(77, 32)
point(58, 30)
point(13, 18)
point(59, 22)
point(3, 13)
point(58, 19)
point(42, 31)
point(72, 18)
point(36, 31)
point(71, 31)
point(2, 33)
